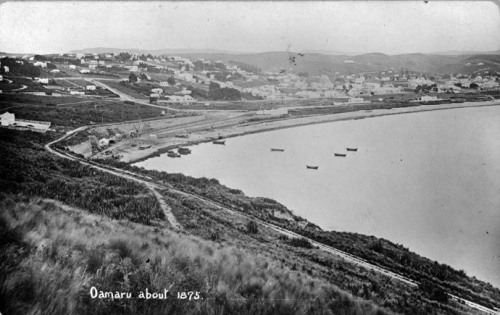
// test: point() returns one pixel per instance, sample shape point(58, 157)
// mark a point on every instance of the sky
point(390, 27)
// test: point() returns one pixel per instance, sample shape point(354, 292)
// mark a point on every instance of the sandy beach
point(234, 127)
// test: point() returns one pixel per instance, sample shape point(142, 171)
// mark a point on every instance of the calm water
point(429, 181)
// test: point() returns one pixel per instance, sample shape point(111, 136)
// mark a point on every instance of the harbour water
point(429, 181)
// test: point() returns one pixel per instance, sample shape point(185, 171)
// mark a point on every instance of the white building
point(157, 90)
point(164, 83)
point(85, 71)
point(6, 69)
point(40, 64)
point(92, 67)
point(55, 71)
point(90, 87)
point(77, 93)
point(72, 67)
point(7, 119)
point(43, 81)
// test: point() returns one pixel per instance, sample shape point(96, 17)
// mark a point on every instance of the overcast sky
point(390, 27)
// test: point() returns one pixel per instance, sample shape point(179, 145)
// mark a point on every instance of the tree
point(474, 86)
point(171, 81)
point(132, 78)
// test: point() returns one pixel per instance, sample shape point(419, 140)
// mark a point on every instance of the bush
point(252, 227)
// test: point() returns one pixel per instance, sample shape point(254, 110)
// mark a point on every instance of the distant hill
point(330, 52)
point(467, 52)
point(101, 50)
point(335, 62)
point(473, 65)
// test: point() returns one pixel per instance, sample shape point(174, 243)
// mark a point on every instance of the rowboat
point(312, 167)
point(279, 150)
point(340, 154)
point(219, 141)
point(144, 147)
point(173, 154)
point(184, 151)
point(352, 149)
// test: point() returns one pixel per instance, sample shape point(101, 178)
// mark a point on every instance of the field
point(33, 107)
point(126, 89)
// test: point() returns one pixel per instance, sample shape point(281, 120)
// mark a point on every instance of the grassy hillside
point(53, 254)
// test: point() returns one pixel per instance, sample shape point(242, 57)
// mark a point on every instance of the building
point(72, 67)
point(1, 77)
point(40, 64)
point(77, 93)
point(43, 81)
point(90, 87)
point(157, 90)
point(92, 67)
point(164, 83)
point(85, 71)
point(7, 119)
point(55, 71)
point(6, 69)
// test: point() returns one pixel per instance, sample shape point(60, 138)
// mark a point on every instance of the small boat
point(340, 154)
point(352, 149)
point(144, 147)
point(184, 150)
point(278, 150)
point(173, 154)
point(219, 141)
point(312, 167)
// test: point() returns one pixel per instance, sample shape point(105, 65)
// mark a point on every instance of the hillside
point(112, 249)
point(473, 64)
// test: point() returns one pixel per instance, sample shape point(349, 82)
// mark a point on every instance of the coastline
point(162, 145)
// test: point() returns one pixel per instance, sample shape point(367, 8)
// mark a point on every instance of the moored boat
point(144, 147)
point(340, 154)
point(312, 167)
point(278, 150)
point(219, 141)
point(184, 151)
point(352, 149)
point(173, 154)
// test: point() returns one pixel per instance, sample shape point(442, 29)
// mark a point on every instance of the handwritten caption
point(165, 294)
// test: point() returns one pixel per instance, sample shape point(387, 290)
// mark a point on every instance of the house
point(133, 68)
point(40, 64)
point(85, 71)
point(164, 83)
point(93, 62)
point(55, 71)
point(154, 95)
point(92, 67)
point(90, 87)
point(102, 62)
point(1, 77)
point(72, 67)
point(185, 99)
point(77, 93)
point(157, 91)
point(7, 119)
point(43, 81)
point(6, 69)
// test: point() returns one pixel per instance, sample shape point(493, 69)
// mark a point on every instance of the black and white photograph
point(250, 157)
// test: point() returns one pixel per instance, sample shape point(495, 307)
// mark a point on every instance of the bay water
point(429, 180)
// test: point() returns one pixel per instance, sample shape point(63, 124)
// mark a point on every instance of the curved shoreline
point(202, 136)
